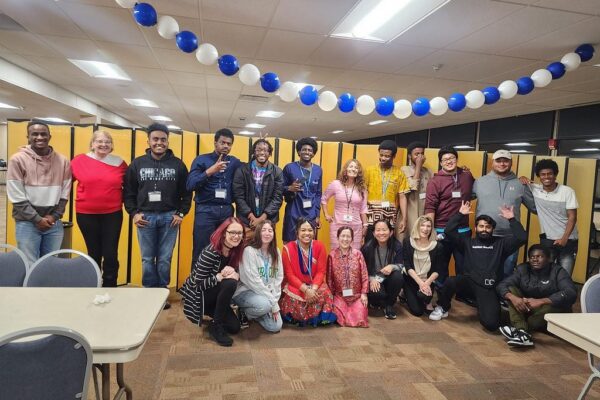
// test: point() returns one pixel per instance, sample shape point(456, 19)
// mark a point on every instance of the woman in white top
point(261, 274)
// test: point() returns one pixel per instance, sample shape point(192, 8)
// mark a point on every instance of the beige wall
point(3, 142)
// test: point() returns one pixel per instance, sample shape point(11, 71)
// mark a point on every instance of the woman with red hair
point(213, 281)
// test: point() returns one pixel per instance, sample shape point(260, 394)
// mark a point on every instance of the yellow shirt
point(393, 179)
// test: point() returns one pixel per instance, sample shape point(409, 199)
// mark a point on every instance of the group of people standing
point(393, 230)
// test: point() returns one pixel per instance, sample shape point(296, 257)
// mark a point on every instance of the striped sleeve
point(204, 274)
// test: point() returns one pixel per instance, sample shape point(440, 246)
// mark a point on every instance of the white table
point(116, 331)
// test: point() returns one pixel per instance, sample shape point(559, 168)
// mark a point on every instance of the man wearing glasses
point(446, 191)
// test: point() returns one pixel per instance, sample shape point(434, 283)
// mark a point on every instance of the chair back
point(53, 271)
point(13, 266)
point(590, 295)
point(54, 366)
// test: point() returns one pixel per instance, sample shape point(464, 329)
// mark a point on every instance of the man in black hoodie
point(155, 196)
point(484, 264)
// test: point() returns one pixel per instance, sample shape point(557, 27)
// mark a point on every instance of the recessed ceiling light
point(314, 137)
point(244, 132)
point(593, 140)
point(174, 127)
point(269, 114)
point(519, 151)
point(584, 149)
point(97, 69)
point(160, 118)
point(377, 122)
point(142, 103)
point(53, 119)
point(302, 84)
point(463, 146)
point(4, 105)
point(335, 132)
point(520, 144)
point(255, 126)
point(382, 21)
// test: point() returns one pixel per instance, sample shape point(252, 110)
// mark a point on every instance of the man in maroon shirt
point(446, 191)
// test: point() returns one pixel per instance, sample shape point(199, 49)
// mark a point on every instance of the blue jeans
point(206, 221)
point(157, 240)
point(257, 307)
point(35, 243)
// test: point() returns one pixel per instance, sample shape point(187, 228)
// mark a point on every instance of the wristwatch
point(180, 214)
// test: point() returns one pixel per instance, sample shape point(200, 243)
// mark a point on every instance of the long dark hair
point(257, 243)
point(217, 240)
point(370, 247)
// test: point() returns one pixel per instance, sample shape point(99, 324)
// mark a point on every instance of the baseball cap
point(502, 154)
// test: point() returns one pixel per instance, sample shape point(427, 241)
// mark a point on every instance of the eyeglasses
point(448, 159)
point(235, 233)
point(103, 141)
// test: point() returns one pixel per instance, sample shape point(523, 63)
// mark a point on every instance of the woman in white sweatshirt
point(261, 274)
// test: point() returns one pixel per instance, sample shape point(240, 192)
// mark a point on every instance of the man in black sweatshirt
point(156, 197)
point(483, 265)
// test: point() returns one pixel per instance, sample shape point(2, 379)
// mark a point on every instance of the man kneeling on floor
point(483, 265)
point(534, 289)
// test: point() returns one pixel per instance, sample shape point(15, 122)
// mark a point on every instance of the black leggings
point(389, 290)
point(415, 299)
point(101, 234)
point(488, 305)
point(217, 304)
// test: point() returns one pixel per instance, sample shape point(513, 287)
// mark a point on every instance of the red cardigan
point(291, 267)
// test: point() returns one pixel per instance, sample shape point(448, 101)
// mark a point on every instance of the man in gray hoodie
point(501, 188)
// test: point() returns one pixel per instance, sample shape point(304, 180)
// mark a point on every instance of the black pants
point(415, 299)
point(450, 250)
point(217, 304)
point(389, 290)
point(101, 233)
point(488, 305)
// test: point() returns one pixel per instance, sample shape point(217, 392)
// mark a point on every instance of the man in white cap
point(501, 188)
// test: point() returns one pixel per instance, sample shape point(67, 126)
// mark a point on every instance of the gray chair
point(13, 266)
point(53, 271)
point(55, 366)
point(590, 303)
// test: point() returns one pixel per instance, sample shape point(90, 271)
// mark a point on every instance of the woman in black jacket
point(422, 257)
point(534, 289)
point(383, 254)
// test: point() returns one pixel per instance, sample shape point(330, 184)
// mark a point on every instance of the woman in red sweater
point(98, 203)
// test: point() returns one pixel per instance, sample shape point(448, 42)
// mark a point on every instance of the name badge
point(385, 204)
point(220, 193)
point(422, 196)
point(154, 196)
point(347, 292)
point(456, 194)
point(306, 203)
point(347, 218)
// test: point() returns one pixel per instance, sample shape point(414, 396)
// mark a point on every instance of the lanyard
point(306, 182)
point(384, 183)
point(221, 175)
point(381, 263)
point(346, 266)
point(348, 199)
point(455, 179)
point(266, 266)
point(308, 270)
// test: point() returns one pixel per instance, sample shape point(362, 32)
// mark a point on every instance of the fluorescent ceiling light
point(247, 132)
point(97, 69)
point(269, 114)
point(520, 144)
point(142, 103)
point(377, 122)
point(300, 85)
point(335, 132)
point(4, 105)
point(463, 146)
point(160, 118)
point(174, 127)
point(254, 126)
point(314, 137)
point(53, 119)
point(593, 140)
point(584, 149)
point(519, 151)
point(596, 65)
point(384, 20)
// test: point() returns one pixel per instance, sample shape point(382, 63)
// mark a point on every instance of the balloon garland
point(207, 54)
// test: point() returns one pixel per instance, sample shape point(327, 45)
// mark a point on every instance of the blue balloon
point(525, 85)
point(186, 41)
point(346, 102)
point(557, 69)
point(384, 106)
point(270, 82)
point(308, 95)
point(421, 106)
point(228, 64)
point(585, 51)
point(457, 102)
point(491, 94)
point(144, 14)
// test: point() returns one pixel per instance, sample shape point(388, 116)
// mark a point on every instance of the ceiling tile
point(248, 12)
point(392, 57)
point(286, 46)
point(48, 18)
point(343, 53)
point(239, 40)
point(25, 43)
point(128, 55)
point(290, 15)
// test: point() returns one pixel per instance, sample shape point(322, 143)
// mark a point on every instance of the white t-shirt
point(552, 209)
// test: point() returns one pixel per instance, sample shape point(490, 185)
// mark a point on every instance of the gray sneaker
point(438, 313)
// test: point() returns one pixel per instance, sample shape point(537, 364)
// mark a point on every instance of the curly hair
point(359, 181)
point(546, 164)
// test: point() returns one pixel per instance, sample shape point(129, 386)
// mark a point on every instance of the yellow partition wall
point(135, 270)
point(580, 174)
point(285, 155)
point(186, 230)
point(329, 163)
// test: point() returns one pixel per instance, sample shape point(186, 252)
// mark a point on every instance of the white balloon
point(207, 54)
point(249, 74)
point(439, 106)
point(508, 89)
point(126, 3)
point(167, 27)
point(288, 92)
point(475, 99)
point(365, 104)
point(327, 100)
point(541, 78)
point(402, 108)
point(571, 61)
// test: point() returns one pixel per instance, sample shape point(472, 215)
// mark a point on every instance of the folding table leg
point(123, 387)
point(105, 381)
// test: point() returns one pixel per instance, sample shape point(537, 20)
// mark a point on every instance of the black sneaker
point(389, 312)
point(503, 305)
point(167, 305)
point(244, 323)
point(522, 339)
point(219, 335)
point(509, 332)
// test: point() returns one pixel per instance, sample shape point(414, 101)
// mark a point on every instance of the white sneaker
point(508, 332)
point(438, 313)
point(522, 339)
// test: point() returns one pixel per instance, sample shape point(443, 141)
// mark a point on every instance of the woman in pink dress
point(350, 194)
point(348, 280)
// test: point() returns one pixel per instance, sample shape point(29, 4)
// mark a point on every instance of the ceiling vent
point(254, 99)
point(9, 24)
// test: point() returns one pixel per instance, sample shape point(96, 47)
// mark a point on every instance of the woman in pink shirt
point(350, 194)
point(98, 203)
